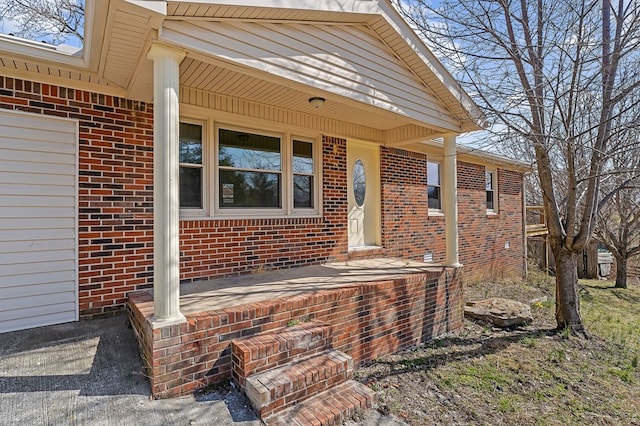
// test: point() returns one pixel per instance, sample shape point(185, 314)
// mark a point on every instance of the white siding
point(347, 60)
point(38, 221)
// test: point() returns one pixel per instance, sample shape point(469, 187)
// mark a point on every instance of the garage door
point(38, 221)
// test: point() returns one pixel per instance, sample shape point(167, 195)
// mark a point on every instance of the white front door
point(363, 182)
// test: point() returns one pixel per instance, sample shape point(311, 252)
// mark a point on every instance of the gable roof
point(360, 55)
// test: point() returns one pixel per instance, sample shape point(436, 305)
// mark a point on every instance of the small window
point(250, 170)
point(303, 175)
point(490, 189)
point(433, 186)
point(191, 166)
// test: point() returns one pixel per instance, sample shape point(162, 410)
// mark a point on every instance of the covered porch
point(372, 306)
point(344, 80)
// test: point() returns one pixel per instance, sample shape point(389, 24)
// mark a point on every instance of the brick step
point(275, 389)
point(262, 352)
point(332, 407)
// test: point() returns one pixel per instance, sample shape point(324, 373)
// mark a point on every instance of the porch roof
point(360, 55)
point(233, 291)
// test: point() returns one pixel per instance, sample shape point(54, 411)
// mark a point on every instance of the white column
point(450, 198)
point(166, 205)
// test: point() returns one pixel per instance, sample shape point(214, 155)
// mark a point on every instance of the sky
point(8, 26)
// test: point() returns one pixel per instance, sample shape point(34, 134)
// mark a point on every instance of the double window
point(434, 193)
point(247, 172)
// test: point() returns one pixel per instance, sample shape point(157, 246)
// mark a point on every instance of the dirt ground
point(529, 375)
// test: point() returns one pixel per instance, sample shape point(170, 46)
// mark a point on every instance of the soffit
point(211, 78)
point(344, 63)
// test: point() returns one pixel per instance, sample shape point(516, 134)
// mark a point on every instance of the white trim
point(287, 133)
point(205, 168)
point(23, 48)
point(432, 211)
point(219, 211)
point(494, 189)
point(450, 199)
point(317, 176)
point(77, 214)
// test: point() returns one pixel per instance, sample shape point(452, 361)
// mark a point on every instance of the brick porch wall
point(368, 320)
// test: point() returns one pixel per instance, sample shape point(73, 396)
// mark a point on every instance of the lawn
point(527, 376)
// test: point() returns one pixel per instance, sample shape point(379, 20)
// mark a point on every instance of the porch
point(373, 307)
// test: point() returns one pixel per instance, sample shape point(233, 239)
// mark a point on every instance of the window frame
point(494, 189)
point(192, 211)
point(316, 153)
point(432, 210)
point(215, 166)
point(211, 203)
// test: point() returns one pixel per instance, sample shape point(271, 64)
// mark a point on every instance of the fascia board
point(39, 52)
point(403, 29)
point(351, 6)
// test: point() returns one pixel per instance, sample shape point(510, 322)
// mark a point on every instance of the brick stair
point(332, 407)
point(290, 374)
point(255, 354)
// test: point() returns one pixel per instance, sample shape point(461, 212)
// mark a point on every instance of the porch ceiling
point(358, 54)
point(210, 78)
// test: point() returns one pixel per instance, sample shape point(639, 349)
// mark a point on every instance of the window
point(236, 171)
point(490, 189)
point(191, 166)
point(249, 170)
point(359, 183)
point(303, 171)
point(433, 186)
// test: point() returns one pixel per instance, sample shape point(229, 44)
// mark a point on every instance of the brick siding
point(367, 320)
point(219, 247)
point(115, 239)
point(409, 232)
point(115, 229)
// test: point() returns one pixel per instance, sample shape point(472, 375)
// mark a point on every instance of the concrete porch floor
point(233, 291)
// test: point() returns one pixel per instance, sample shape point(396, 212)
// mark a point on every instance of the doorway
point(363, 186)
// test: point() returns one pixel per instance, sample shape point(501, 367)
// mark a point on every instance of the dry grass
point(528, 376)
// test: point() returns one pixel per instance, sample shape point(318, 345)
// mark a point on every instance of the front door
point(363, 182)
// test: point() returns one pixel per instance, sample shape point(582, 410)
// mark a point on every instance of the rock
point(499, 312)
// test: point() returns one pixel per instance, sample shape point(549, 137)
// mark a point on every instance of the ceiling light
point(316, 101)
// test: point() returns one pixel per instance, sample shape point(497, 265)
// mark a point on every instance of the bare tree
point(618, 226)
point(548, 72)
point(50, 21)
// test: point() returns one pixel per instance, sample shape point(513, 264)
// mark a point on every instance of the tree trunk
point(621, 273)
point(567, 301)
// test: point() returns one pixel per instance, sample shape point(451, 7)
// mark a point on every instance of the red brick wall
point(116, 207)
point(407, 229)
point(219, 247)
point(115, 186)
point(483, 237)
point(409, 232)
point(368, 320)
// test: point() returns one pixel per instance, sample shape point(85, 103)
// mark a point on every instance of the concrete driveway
point(90, 373)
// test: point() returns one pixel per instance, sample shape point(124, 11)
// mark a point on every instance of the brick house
point(192, 141)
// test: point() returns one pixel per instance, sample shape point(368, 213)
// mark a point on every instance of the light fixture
point(317, 101)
